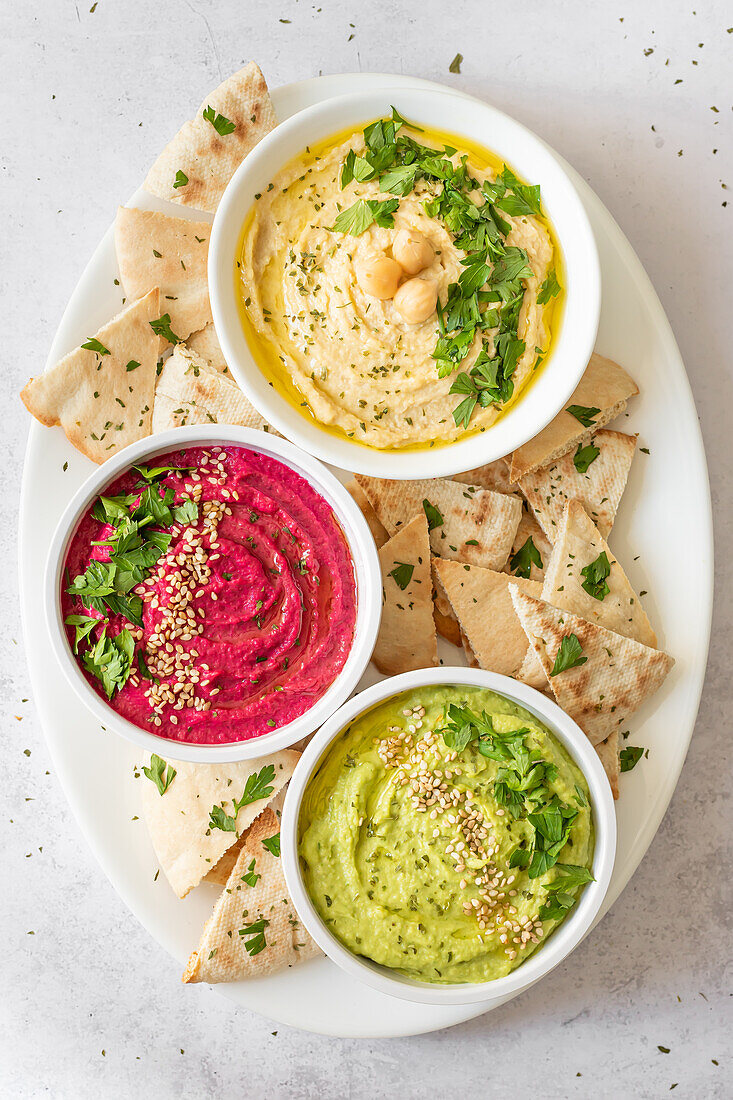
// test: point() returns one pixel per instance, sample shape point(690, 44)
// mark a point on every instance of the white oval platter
point(667, 494)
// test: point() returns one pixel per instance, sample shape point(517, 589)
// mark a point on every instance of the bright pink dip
point(278, 609)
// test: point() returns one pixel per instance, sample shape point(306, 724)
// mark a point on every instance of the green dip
point(444, 863)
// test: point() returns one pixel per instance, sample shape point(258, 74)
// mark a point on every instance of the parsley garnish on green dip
point(404, 284)
point(445, 834)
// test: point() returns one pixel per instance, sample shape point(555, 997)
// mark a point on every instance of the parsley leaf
point(251, 877)
point(595, 574)
point(160, 773)
point(110, 660)
point(357, 218)
point(219, 819)
point(455, 65)
point(402, 574)
point(586, 414)
point(584, 456)
point(181, 179)
point(256, 934)
point(630, 757)
point(568, 655)
point(162, 327)
point(432, 514)
point(272, 843)
point(570, 877)
point(549, 289)
point(528, 555)
point(221, 124)
point(93, 344)
point(258, 786)
point(84, 624)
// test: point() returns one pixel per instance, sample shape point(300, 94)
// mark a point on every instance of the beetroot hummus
point(210, 597)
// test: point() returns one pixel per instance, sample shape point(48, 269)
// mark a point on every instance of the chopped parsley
point(433, 515)
point(160, 773)
point(365, 212)
point(402, 574)
point(569, 655)
point(221, 124)
point(630, 757)
point(586, 414)
point(272, 843)
point(595, 574)
point(93, 344)
point(584, 456)
point(528, 555)
point(181, 179)
point(162, 327)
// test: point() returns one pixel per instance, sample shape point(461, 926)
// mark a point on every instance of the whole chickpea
point(379, 276)
point(412, 250)
point(415, 300)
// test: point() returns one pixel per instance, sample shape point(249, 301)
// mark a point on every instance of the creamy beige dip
point(359, 366)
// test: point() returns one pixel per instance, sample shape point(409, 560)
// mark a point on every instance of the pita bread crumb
point(195, 167)
point(170, 253)
point(604, 386)
point(477, 526)
point(482, 603)
point(616, 677)
point(599, 488)
point(579, 543)
point(228, 952)
point(407, 638)
point(103, 398)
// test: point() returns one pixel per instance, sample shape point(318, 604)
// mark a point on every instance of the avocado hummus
point(399, 289)
point(445, 834)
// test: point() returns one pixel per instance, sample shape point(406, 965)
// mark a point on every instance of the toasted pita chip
point(170, 253)
point(195, 167)
point(103, 398)
point(608, 751)
point(476, 526)
point(179, 823)
point(616, 676)
point(189, 391)
point(379, 534)
point(483, 606)
point(407, 638)
point(494, 475)
point(205, 344)
point(578, 545)
point(254, 928)
point(599, 488)
point(446, 622)
point(529, 528)
point(605, 386)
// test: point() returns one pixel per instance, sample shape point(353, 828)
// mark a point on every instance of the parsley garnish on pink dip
point(210, 597)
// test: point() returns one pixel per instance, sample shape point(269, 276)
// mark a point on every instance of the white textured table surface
point(638, 97)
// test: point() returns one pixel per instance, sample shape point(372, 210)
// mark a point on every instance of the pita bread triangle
point(605, 387)
point(170, 253)
point(617, 675)
point(179, 822)
point(102, 393)
point(205, 344)
point(254, 929)
point(578, 545)
point(483, 606)
point(407, 638)
point(477, 526)
point(195, 167)
point(189, 391)
point(599, 488)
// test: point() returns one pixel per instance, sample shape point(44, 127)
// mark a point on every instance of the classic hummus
point(399, 305)
point(210, 597)
point(447, 862)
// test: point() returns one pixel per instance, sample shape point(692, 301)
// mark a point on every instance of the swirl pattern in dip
point(210, 598)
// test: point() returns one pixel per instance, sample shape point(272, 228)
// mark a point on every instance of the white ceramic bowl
point(366, 570)
point(562, 941)
point(531, 159)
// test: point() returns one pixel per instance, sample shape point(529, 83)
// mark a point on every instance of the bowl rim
point(574, 343)
point(564, 938)
point(367, 576)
